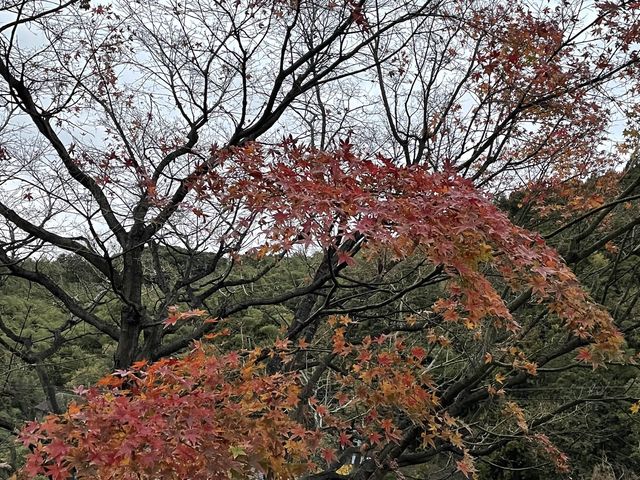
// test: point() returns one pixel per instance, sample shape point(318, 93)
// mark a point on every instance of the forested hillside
point(35, 366)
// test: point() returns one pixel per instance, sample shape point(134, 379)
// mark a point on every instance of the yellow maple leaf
point(345, 469)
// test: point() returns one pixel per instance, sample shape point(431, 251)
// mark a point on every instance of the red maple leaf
point(584, 355)
point(329, 455)
point(345, 440)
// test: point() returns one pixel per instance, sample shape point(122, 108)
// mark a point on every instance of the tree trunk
point(127, 350)
point(131, 315)
point(48, 388)
point(152, 342)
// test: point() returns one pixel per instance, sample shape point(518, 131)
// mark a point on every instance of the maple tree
point(386, 379)
point(171, 144)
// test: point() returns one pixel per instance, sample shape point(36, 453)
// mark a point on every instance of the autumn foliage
point(371, 142)
point(203, 416)
point(308, 197)
point(210, 415)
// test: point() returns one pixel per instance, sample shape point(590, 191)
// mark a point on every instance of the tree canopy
point(319, 240)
